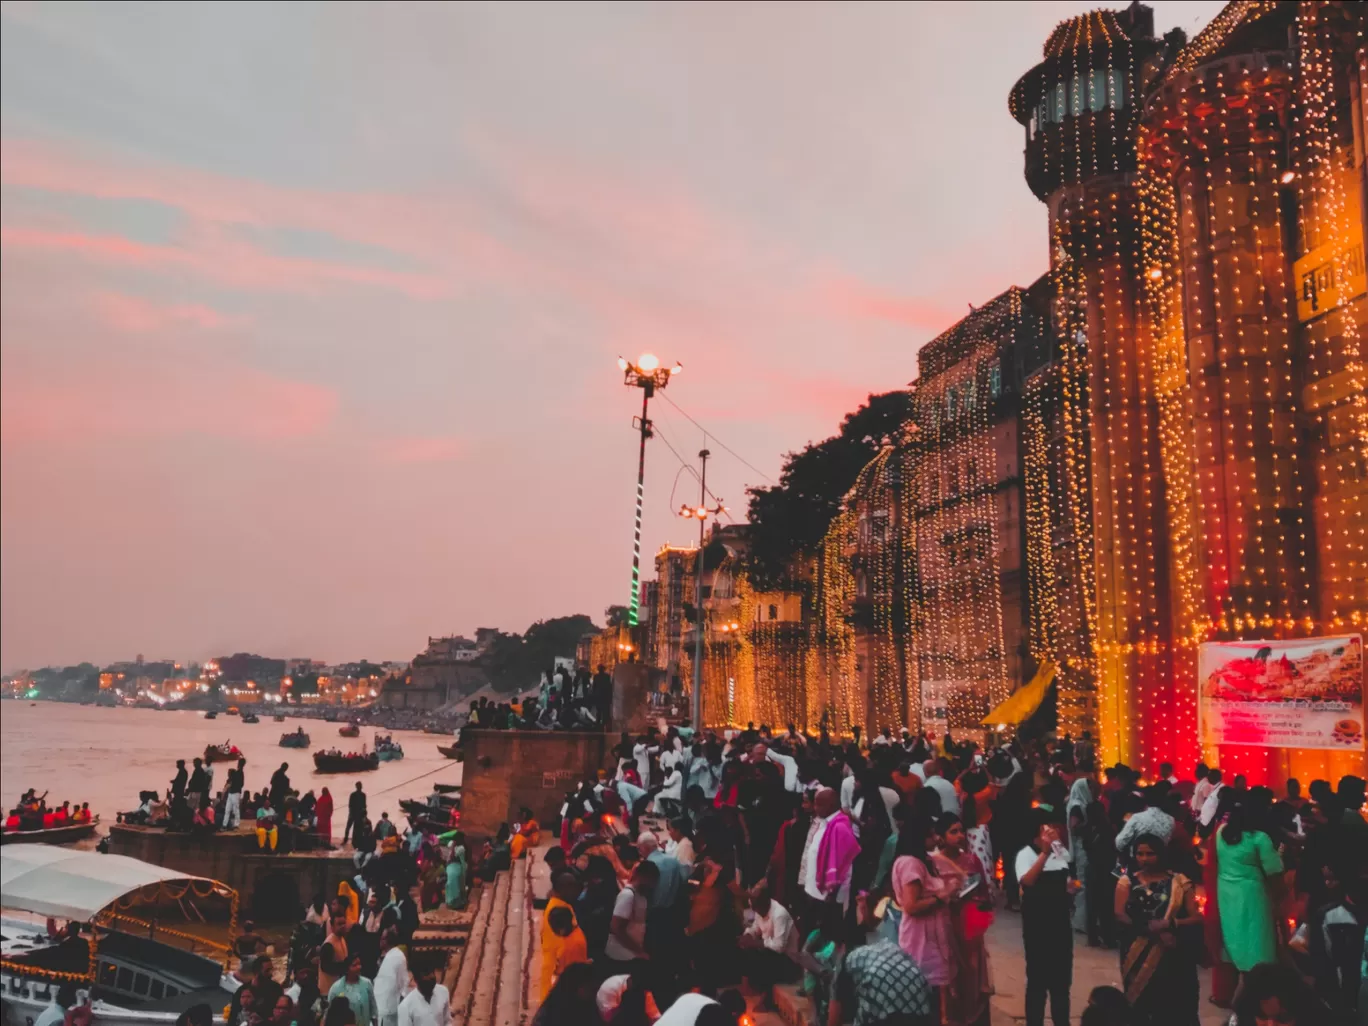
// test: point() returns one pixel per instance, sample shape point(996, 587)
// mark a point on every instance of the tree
point(617, 616)
point(515, 662)
point(789, 520)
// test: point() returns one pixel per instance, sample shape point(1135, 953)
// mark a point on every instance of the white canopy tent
point(78, 885)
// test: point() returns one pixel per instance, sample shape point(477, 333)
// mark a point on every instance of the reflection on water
point(82, 753)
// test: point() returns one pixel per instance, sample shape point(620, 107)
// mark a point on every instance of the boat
point(446, 789)
point(51, 835)
point(251, 718)
point(350, 730)
point(232, 710)
point(222, 753)
point(295, 739)
point(441, 810)
point(452, 752)
point(212, 714)
point(387, 749)
point(142, 980)
point(336, 762)
point(279, 717)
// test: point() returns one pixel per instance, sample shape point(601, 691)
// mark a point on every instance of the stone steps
point(491, 984)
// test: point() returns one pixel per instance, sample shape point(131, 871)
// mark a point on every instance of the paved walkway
point(1093, 967)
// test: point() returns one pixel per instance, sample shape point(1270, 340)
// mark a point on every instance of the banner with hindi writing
point(1305, 693)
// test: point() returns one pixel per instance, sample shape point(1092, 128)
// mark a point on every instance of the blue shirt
point(672, 877)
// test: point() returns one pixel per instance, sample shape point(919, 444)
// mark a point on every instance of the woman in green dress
point(456, 868)
point(1249, 871)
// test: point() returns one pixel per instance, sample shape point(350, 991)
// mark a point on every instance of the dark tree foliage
point(616, 616)
point(515, 662)
point(789, 520)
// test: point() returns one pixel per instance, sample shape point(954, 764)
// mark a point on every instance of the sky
point(309, 313)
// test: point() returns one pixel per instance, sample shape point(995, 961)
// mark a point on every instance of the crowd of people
point(567, 700)
point(281, 817)
point(871, 873)
point(34, 813)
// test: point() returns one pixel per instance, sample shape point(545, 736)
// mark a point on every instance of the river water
point(84, 753)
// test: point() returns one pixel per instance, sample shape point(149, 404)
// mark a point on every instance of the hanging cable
point(751, 466)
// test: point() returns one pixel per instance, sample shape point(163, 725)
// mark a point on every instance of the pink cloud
point(852, 298)
point(420, 449)
point(215, 257)
point(136, 315)
point(237, 403)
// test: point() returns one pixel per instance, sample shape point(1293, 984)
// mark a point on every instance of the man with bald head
point(831, 850)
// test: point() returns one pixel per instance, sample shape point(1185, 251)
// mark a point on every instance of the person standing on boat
point(198, 786)
point(232, 802)
point(356, 813)
point(323, 811)
point(179, 780)
point(280, 786)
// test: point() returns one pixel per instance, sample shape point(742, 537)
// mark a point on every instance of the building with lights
point(1203, 410)
point(965, 499)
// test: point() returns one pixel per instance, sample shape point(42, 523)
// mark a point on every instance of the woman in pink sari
point(965, 1000)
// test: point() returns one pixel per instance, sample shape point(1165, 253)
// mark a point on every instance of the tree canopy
point(789, 520)
point(515, 661)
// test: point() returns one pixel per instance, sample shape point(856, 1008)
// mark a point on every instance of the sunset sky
point(309, 313)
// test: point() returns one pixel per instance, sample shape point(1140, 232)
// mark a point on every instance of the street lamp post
point(648, 375)
point(702, 512)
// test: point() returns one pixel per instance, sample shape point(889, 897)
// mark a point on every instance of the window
point(140, 984)
point(1097, 89)
point(773, 612)
point(1076, 87)
point(994, 379)
point(158, 990)
point(1059, 102)
point(125, 980)
point(1116, 88)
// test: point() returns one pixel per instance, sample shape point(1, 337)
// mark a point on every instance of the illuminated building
point(1252, 188)
point(1081, 108)
point(965, 498)
point(674, 592)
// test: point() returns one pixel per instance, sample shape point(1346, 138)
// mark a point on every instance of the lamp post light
point(701, 512)
point(648, 375)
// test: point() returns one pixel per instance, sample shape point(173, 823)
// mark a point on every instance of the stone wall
point(506, 769)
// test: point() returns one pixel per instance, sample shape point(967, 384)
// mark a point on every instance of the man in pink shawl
point(836, 848)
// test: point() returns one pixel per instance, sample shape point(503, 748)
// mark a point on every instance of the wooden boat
point(387, 749)
point(251, 718)
point(232, 710)
point(53, 835)
point(295, 739)
point(222, 753)
point(452, 752)
point(279, 717)
point(447, 789)
point(212, 714)
point(350, 730)
point(336, 762)
point(145, 977)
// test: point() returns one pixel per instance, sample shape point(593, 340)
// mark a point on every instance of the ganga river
point(85, 753)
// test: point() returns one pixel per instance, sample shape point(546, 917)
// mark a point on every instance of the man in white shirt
point(391, 982)
point(642, 752)
point(428, 1004)
point(1203, 788)
point(769, 945)
point(948, 798)
point(1213, 799)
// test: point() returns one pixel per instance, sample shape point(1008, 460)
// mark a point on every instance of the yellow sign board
point(1327, 277)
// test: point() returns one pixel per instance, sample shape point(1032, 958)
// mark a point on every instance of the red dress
point(323, 809)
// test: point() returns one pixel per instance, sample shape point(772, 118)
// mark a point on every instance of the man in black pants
point(356, 810)
point(1043, 869)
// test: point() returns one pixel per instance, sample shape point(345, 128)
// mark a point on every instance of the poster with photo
point(1305, 693)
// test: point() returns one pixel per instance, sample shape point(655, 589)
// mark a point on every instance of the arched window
point(1076, 87)
point(1060, 103)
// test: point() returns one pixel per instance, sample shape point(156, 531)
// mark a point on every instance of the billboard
point(1305, 693)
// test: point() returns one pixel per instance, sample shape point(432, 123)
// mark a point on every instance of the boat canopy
point(78, 885)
